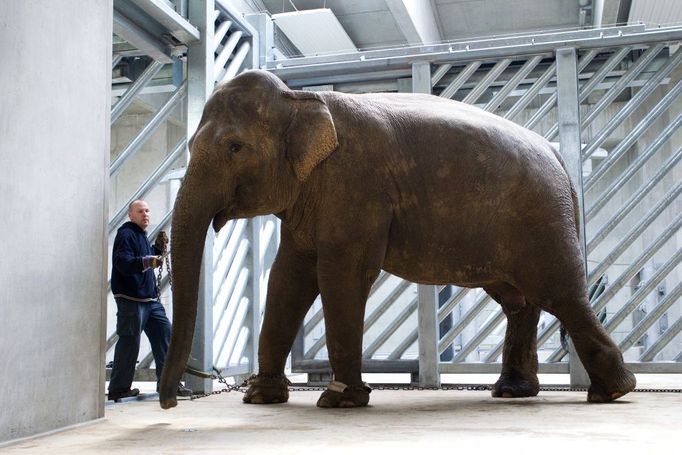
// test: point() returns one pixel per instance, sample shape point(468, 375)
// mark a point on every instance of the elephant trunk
point(191, 218)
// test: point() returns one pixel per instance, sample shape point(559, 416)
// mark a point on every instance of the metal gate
point(609, 97)
point(219, 44)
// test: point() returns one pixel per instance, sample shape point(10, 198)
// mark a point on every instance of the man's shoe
point(184, 391)
point(116, 396)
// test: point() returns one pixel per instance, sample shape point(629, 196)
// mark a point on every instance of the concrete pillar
point(54, 160)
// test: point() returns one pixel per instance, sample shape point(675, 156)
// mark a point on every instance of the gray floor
point(396, 421)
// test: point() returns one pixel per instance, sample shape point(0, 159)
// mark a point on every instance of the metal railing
point(629, 82)
point(627, 97)
point(244, 250)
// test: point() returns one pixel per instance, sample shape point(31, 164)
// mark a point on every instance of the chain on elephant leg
point(267, 389)
point(340, 395)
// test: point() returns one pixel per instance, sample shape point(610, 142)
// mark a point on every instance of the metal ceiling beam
point(233, 14)
point(471, 50)
point(416, 20)
point(141, 39)
point(177, 25)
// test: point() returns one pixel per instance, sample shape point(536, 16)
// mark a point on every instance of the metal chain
point(305, 388)
point(165, 258)
point(227, 389)
point(447, 387)
point(472, 387)
point(168, 270)
point(158, 282)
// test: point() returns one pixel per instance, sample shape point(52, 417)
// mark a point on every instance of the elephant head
point(256, 143)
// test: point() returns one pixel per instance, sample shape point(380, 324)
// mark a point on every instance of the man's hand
point(161, 241)
point(151, 262)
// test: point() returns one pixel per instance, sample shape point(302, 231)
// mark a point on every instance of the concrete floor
point(396, 421)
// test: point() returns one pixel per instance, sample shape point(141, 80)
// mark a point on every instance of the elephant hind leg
point(601, 357)
point(519, 356)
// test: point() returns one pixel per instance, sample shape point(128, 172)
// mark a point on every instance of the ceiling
point(157, 29)
point(392, 23)
point(373, 24)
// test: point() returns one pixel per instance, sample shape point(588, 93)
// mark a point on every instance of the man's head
point(138, 212)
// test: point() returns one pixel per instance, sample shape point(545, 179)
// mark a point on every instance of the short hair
point(130, 206)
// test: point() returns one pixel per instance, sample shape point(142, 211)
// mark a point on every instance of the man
point(134, 287)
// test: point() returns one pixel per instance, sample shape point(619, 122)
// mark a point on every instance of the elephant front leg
point(292, 289)
point(345, 287)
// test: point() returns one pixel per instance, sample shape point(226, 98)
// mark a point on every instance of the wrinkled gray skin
point(429, 189)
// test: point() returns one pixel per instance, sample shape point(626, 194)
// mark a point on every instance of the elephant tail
point(563, 333)
point(576, 209)
point(574, 193)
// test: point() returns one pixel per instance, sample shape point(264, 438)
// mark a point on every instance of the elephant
point(429, 189)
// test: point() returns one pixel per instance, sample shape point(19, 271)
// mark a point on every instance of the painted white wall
point(54, 142)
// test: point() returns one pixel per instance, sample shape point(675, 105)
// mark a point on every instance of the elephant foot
point(516, 386)
point(339, 395)
point(599, 392)
point(267, 389)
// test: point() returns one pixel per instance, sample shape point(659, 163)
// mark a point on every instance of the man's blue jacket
point(128, 279)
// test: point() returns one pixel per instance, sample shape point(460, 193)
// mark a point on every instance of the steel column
point(594, 81)
point(569, 137)
point(256, 266)
point(199, 88)
point(421, 77)
point(551, 101)
point(427, 315)
point(427, 296)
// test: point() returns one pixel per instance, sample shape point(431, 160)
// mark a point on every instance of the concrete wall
point(54, 144)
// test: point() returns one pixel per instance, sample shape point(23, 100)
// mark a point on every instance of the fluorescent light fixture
point(315, 31)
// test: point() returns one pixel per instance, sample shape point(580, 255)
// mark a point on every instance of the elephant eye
point(235, 147)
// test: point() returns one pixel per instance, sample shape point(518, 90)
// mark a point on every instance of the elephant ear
point(311, 136)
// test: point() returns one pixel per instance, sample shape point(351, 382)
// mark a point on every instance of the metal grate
point(629, 115)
